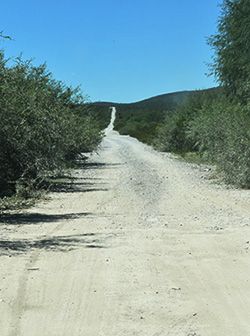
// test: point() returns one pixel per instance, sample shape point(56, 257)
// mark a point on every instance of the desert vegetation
point(44, 126)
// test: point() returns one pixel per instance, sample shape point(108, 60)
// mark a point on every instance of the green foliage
point(101, 112)
point(223, 129)
point(172, 133)
point(215, 127)
point(232, 48)
point(43, 124)
point(139, 124)
point(222, 132)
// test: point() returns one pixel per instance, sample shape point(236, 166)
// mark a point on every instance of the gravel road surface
point(138, 244)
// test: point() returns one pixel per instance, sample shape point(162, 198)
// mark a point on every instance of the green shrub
point(172, 133)
point(222, 131)
point(43, 124)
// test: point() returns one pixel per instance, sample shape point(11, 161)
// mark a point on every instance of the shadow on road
point(36, 218)
point(75, 186)
point(56, 243)
point(60, 183)
point(98, 165)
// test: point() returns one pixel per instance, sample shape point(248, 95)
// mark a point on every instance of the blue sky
point(117, 50)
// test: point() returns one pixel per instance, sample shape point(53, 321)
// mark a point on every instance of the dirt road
point(140, 244)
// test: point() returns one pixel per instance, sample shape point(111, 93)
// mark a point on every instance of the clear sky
point(117, 50)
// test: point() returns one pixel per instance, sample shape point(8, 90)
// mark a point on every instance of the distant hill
point(160, 102)
point(163, 101)
point(140, 119)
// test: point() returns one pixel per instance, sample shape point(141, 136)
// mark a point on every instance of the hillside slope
point(141, 119)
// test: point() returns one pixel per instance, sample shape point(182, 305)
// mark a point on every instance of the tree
point(232, 48)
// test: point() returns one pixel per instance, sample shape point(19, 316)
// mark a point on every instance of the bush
point(172, 133)
point(215, 127)
point(222, 131)
point(42, 124)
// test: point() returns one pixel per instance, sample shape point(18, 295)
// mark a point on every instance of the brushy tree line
point(217, 124)
point(216, 129)
point(44, 125)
